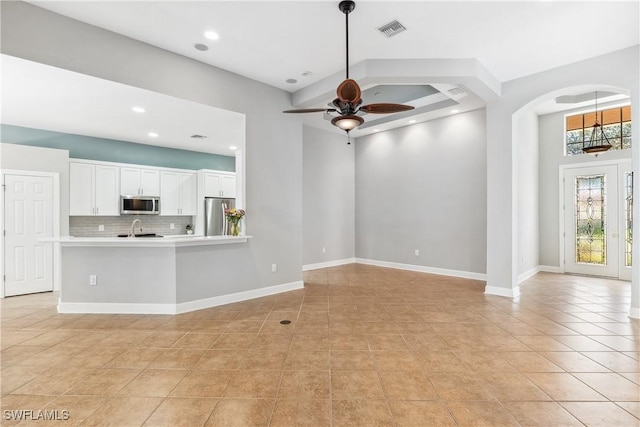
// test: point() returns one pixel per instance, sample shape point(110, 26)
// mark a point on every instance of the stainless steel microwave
point(139, 205)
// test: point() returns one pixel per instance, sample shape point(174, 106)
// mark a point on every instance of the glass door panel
point(626, 222)
point(591, 221)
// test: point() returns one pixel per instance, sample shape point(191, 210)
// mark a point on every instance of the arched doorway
point(547, 234)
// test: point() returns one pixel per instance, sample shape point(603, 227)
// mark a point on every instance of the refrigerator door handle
point(224, 218)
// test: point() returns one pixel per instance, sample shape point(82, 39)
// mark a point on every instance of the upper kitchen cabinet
point(94, 189)
point(178, 193)
point(139, 182)
point(219, 184)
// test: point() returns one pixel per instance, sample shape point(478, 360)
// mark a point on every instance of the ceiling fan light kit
point(349, 102)
point(347, 123)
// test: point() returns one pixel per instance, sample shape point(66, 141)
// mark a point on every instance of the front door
point(597, 209)
point(28, 218)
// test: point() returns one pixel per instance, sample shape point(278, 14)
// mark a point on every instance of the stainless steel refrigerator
point(215, 221)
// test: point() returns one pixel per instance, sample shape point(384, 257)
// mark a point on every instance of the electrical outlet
point(417, 252)
point(101, 227)
point(93, 280)
point(274, 268)
point(324, 250)
point(172, 226)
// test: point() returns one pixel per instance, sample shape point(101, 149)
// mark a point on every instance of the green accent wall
point(111, 150)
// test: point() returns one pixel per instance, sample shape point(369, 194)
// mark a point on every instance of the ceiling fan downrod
point(347, 7)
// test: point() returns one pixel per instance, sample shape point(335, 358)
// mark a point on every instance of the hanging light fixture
point(598, 141)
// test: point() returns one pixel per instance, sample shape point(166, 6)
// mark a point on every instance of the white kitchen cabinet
point(178, 193)
point(219, 185)
point(139, 182)
point(94, 189)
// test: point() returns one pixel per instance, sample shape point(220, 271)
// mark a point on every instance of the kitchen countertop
point(166, 241)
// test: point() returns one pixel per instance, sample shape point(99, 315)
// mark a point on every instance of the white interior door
point(596, 220)
point(28, 217)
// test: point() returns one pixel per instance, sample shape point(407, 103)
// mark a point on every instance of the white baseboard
point(115, 308)
point(319, 265)
point(423, 269)
point(549, 269)
point(129, 308)
point(502, 292)
point(515, 292)
point(634, 313)
point(527, 274)
point(237, 297)
point(535, 270)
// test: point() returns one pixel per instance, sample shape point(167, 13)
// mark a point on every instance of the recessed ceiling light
point(233, 147)
point(201, 47)
point(153, 134)
point(307, 74)
point(291, 81)
point(376, 130)
point(412, 121)
point(455, 111)
point(211, 35)
point(138, 109)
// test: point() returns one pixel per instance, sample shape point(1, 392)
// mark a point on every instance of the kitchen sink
point(141, 235)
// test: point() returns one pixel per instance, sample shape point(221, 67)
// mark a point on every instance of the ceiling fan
point(349, 103)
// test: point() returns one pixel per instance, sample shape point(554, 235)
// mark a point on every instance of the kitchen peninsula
point(165, 275)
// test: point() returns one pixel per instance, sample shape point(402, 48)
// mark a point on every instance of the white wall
point(328, 198)
point(525, 125)
point(424, 187)
point(22, 157)
point(274, 140)
point(551, 131)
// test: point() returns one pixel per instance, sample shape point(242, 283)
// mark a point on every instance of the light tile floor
point(366, 346)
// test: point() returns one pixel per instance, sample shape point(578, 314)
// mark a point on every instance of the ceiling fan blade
point(349, 91)
point(384, 108)
point(311, 110)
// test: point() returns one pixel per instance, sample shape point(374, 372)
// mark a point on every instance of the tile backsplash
point(88, 226)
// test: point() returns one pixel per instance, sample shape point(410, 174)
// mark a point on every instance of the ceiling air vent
point(196, 136)
point(392, 28)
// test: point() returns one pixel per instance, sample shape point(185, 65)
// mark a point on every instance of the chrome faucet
point(132, 233)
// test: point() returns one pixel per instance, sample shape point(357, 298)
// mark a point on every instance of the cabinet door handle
point(96, 211)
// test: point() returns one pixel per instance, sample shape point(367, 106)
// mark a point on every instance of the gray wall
point(120, 278)
point(424, 187)
point(328, 197)
point(551, 135)
point(25, 158)
point(274, 141)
